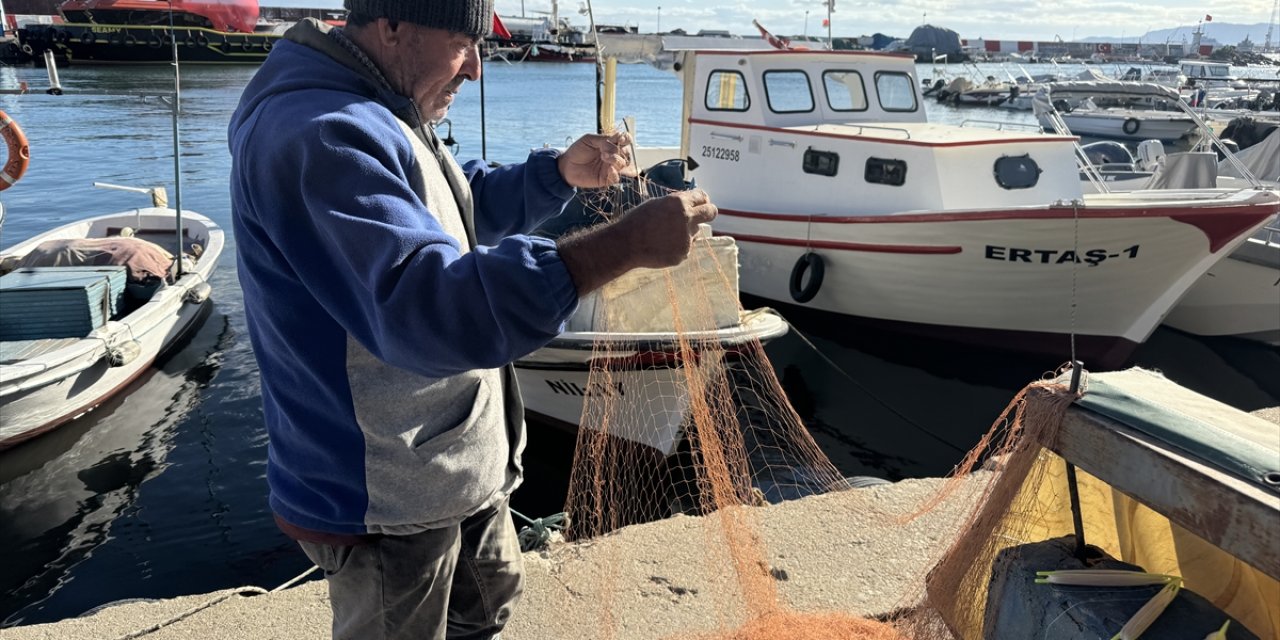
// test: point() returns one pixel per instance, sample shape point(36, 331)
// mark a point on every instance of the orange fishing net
point(742, 446)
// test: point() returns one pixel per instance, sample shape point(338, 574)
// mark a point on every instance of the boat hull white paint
point(654, 402)
point(1036, 271)
point(1113, 126)
point(42, 393)
point(1237, 297)
point(645, 403)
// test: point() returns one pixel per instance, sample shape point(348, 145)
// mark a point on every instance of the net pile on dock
point(747, 447)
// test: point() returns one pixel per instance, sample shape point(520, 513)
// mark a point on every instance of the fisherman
point(388, 290)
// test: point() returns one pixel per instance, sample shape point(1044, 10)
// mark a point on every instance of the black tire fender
point(87, 37)
point(1131, 125)
point(801, 291)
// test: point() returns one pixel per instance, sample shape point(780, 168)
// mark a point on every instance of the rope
point(923, 429)
point(538, 533)
point(212, 601)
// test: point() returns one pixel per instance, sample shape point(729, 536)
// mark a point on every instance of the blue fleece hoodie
point(336, 249)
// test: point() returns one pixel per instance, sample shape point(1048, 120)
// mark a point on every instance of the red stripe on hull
point(847, 246)
point(1189, 215)
point(1220, 225)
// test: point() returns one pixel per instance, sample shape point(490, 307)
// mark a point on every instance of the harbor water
point(162, 491)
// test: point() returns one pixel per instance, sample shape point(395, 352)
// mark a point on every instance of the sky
point(991, 19)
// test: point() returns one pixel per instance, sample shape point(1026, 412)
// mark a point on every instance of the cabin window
point(845, 91)
point(788, 91)
point(896, 91)
point(821, 163)
point(1017, 172)
point(727, 91)
point(885, 171)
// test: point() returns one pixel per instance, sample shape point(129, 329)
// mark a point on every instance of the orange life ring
point(19, 153)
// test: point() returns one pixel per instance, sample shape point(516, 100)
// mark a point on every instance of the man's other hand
point(595, 161)
point(656, 234)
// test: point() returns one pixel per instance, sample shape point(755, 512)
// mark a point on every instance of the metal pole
point(174, 109)
point(484, 141)
point(1077, 519)
point(830, 42)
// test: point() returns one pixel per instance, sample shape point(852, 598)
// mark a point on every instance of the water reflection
point(60, 494)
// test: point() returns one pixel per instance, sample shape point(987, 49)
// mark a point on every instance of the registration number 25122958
point(720, 153)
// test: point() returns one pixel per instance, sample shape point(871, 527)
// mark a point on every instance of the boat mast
point(1266, 45)
point(174, 108)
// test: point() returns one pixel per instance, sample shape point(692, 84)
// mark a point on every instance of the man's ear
point(388, 31)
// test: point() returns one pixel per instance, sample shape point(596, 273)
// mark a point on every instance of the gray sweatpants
point(456, 583)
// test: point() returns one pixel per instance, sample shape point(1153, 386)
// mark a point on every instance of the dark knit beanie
point(472, 17)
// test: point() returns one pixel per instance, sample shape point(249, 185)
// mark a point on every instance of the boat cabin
point(823, 133)
point(1207, 72)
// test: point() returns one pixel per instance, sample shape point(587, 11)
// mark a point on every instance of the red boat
point(139, 32)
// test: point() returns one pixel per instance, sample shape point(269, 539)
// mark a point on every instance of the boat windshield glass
point(788, 91)
point(727, 91)
point(896, 91)
point(845, 91)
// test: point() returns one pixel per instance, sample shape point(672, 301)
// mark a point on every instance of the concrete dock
point(825, 555)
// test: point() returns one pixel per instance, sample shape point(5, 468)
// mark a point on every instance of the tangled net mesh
point(743, 446)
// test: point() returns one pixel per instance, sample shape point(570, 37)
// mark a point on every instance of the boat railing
point(862, 127)
point(1087, 167)
point(1000, 126)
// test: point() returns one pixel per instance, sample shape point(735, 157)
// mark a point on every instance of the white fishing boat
point(51, 375)
point(629, 345)
point(844, 199)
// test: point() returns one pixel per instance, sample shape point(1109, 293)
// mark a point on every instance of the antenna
point(1275, 8)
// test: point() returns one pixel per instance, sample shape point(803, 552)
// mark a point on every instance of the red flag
point(500, 29)
point(778, 43)
point(826, 22)
point(1208, 18)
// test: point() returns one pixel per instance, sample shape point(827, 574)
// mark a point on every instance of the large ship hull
point(79, 44)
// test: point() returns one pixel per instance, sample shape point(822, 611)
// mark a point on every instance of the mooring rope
point(238, 591)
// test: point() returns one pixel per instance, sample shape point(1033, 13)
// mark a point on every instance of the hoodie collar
point(332, 42)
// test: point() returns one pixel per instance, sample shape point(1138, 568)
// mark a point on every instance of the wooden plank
point(1239, 517)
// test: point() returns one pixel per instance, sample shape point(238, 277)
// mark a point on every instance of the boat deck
point(16, 351)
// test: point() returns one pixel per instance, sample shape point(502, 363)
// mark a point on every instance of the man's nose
point(471, 66)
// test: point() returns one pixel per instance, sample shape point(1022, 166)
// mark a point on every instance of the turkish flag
point(1208, 18)
point(500, 29)
point(826, 22)
point(777, 42)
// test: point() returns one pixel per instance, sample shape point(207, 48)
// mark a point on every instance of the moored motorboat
point(1075, 104)
point(843, 199)
point(1239, 296)
point(646, 378)
point(47, 381)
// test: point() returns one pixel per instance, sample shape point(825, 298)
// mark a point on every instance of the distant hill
point(1221, 32)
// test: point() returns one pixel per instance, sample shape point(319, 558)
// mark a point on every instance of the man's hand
point(656, 234)
point(660, 231)
point(595, 161)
